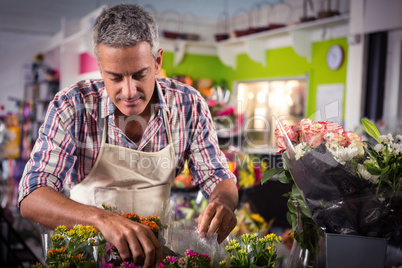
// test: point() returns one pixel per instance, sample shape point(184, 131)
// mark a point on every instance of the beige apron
point(134, 181)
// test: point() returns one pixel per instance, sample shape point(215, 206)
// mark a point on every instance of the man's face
point(129, 75)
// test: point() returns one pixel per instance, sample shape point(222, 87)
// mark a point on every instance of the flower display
point(84, 246)
point(251, 251)
point(342, 184)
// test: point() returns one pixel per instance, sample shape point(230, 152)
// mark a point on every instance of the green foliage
point(371, 129)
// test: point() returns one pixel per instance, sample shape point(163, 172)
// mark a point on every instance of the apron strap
point(105, 129)
point(167, 126)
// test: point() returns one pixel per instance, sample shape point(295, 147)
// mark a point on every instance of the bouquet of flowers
point(341, 184)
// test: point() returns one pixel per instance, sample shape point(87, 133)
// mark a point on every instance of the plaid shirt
point(70, 138)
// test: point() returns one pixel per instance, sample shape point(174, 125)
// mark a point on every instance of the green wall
point(281, 62)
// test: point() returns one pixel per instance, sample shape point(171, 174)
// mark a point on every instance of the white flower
point(379, 148)
point(396, 148)
point(344, 154)
point(399, 137)
point(300, 150)
point(374, 179)
point(359, 145)
point(387, 139)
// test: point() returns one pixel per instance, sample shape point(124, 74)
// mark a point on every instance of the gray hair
point(125, 25)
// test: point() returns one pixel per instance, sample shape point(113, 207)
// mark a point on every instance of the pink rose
point(333, 127)
point(350, 135)
point(333, 139)
point(325, 123)
point(303, 124)
point(306, 122)
point(313, 134)
point(281, 140)
point(292, 133)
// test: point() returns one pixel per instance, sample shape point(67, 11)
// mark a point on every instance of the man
point(122, 140)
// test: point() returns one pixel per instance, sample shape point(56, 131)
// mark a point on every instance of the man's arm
point(50, 208)
point(218, 217)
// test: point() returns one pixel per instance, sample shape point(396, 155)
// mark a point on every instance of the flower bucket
point(350, 251)
point(75, 251)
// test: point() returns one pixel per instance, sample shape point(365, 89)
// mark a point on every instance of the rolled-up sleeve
point(52, 157)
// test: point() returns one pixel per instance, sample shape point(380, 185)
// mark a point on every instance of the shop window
point(259, 101)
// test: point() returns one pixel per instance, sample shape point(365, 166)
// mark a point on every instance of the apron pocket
point(143, 202)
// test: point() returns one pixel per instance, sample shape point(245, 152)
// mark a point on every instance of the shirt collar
point(162, 102)
point(107, 106)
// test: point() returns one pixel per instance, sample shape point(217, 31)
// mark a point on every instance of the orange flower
point(55, 252)
point(131, 216)
point(78, 257)
point(154, 227)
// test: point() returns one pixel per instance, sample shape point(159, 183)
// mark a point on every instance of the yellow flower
point(259, 220)
point(245, 179)
point(243, 251)
point(231, 166)
point(264, 166)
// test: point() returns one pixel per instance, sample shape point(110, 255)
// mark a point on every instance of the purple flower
point(190, 253)
point(205, 256)
point(171, 259)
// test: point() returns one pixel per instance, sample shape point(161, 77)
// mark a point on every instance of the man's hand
point(218, 217)
point(133, 240)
